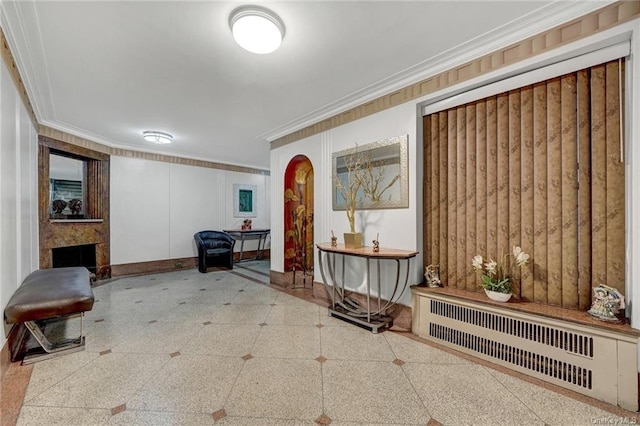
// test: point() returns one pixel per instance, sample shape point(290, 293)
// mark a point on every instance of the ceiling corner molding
point(38, 89)
point(52, 131)
point(536, 22)
point(9, 61)
point(88, 140)
point(72, 133)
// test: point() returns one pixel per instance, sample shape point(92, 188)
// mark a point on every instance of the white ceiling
point(108, 70)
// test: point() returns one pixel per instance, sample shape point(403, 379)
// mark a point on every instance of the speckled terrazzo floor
point(187, 348)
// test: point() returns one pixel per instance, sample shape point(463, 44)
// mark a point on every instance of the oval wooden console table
point(372, 314)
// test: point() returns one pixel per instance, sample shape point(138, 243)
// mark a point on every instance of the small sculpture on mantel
point(376, 244)
point(607, 302)
point(58, 206)
point(334, 239)
point(432, 276)
point(75, 205)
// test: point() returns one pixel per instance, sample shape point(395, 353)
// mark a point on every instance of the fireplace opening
point(84, 255)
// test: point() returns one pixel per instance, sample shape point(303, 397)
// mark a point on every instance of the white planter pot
point(498, 297)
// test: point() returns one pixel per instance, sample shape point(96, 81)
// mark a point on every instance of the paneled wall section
point(18, 193)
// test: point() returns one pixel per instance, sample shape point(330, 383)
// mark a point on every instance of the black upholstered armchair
point(215, 246)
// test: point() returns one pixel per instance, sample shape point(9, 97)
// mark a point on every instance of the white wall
point(156, 207)
point(396, 227)
point(18, 191)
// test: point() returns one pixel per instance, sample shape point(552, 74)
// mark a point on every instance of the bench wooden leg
point(52, 349)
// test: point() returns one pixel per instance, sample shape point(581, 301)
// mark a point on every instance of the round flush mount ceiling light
point(157, 137)
point(256, 29)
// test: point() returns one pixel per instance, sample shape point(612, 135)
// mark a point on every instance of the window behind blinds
point(540, 167)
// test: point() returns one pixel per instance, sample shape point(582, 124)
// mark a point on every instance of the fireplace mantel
point(57, 233)
point(76, 220)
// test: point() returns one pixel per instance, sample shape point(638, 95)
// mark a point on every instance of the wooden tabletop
point(384, 253)
point(246, 231)
point(553, 312)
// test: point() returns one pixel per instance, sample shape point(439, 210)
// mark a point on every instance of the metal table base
point(374, 324)
point(249, 234)
point(372, 315)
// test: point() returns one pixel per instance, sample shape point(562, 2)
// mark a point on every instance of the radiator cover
point(595, 362)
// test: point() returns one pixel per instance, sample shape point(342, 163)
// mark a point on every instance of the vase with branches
point(350, 184)
point(373, 182)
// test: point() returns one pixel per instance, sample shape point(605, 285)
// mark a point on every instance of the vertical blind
point(539, 167)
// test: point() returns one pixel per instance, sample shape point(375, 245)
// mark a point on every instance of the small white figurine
point(607, 302)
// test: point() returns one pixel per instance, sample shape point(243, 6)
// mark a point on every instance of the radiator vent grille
point(550, 336)
point(539, 363)
point(595, 361)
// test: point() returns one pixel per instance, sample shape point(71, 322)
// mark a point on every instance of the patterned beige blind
point(540, 167)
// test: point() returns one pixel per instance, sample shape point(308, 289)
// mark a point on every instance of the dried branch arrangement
point(361, 180)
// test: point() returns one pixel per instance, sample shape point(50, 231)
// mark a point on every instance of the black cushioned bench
point(50, 294)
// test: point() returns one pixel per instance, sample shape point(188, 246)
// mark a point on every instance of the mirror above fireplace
point(66, 187)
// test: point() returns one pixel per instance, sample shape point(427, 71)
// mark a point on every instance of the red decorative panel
point(298, 215)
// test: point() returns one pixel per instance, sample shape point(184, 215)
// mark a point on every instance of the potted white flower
point(496, 276)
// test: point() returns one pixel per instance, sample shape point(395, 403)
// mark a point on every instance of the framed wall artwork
point(387, 174)
point(244, 200)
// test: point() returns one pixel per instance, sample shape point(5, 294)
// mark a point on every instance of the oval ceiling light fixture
point(256, 29)
point(157, 137)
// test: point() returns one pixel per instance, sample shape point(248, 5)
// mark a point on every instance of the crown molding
point(80, 137)
point(79, 133)
point(522, 28)
point(39, 91)
point(39, 94)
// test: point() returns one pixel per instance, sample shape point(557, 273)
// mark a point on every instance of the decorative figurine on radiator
point(432, 276)
point(376, 244)
point(607, 302)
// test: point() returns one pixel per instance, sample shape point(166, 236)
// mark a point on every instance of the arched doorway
point(298, 221)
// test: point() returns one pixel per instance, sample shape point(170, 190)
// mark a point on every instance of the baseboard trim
point(154, 266)
point(12, 347)
point(5, 360)
point(168, 265)
point(277, 278)
point(14, 380)
point(252, 255)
